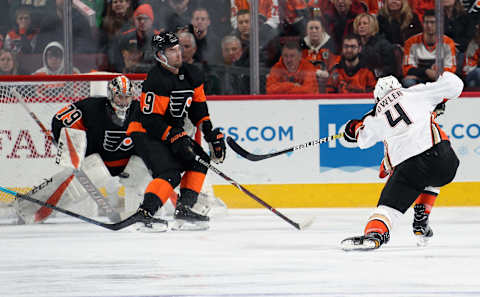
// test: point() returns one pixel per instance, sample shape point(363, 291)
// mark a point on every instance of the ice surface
point(246, 253)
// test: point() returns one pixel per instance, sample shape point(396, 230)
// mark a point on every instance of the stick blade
point(242, 152)
point(307, 223)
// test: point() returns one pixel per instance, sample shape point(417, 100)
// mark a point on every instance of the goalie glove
point(351, 130)
point(216, 142)
point(181, 144)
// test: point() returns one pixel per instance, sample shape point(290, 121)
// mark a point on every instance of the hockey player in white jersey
point(417, 149)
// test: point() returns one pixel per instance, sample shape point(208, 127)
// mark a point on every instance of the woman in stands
point(378, 54)
point(8, 63)
point(119, 14)
point(397, 21)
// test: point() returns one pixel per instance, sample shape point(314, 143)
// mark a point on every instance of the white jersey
point(403, 119)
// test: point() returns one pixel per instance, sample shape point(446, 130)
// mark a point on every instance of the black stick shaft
point(250, 194)
point(254, 157)
point(116, 226)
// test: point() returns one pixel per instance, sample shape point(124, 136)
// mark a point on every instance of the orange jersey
point(419, 55)
point(357, 80)
point(267, 8)
point(472, 57)
point(322, 57)
point(303, 81)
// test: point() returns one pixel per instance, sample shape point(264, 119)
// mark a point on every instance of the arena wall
point(334, 174)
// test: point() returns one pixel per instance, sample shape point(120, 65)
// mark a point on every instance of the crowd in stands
point(305, 46)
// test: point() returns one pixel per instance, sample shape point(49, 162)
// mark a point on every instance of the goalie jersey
point(106, 135)
point(404, 119)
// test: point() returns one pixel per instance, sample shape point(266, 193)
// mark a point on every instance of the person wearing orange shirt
point(292, 74)
point(351, 75)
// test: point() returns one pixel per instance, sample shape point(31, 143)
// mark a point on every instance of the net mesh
point(42, 96)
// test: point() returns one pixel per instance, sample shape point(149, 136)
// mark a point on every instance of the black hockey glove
point(439, 109)
point(181, 144)
point(216, 142)
point(351, 130)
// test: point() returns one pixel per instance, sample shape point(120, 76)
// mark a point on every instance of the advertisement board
point(336, 173)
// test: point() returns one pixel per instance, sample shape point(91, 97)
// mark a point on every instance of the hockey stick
point(253, 157)
point(300, 226)
point(91, 189)
point(116, 226)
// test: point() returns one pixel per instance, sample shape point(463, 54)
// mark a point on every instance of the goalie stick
point(91, 189)
point(114, 227)
point(254, 157)
point(300, 226)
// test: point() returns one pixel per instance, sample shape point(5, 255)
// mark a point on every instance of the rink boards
point(334, 174)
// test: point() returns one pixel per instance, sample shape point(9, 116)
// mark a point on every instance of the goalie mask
point(120, 95)
point(384, 86)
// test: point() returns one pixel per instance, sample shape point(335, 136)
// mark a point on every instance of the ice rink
point(245, 253)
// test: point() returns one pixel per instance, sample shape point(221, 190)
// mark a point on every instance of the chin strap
point(163, 62)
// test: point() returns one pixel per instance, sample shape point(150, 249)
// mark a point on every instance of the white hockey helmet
point(120, 95)
point(384, 86)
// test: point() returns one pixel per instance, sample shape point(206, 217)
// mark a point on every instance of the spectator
point(51, 29)
point(227, 73)
point(377, 53)
point(420, 54)
point(189, 48)
point(293, 17)
point(471, 66)
point(231, 49)
point(421, 6)
point(133, 57)
point(141, 34)
point(397, 22)
point(119, 15)
point(8, 63)
point(177, 14)
point(459, 26)
point(351, 75)
point(292, 74)
point(38, 9)
point(339, 19)
point(53, 60)
point(23, 37)
point(267, 12)
point(219, 12)
point(318, 48)
point(98, 6)
point(208, 43)
point(266, 34)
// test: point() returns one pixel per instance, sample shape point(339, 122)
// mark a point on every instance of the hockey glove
point(351, 130)
point(439, 109)
point(181, 144)
point(216, 142)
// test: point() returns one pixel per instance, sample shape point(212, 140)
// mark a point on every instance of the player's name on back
point(388, 100)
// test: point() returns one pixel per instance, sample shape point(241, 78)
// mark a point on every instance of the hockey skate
point(187, 219)
point(147, 223)
point(365, 242)
point(420, 225)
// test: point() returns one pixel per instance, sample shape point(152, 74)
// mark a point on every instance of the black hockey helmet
point(164, 40)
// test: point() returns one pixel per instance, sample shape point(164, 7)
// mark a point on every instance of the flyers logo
point(116, 140)
point(180, 101)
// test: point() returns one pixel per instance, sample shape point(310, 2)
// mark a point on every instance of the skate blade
point(183, 225)
point(353, 245)
point(156, 228)
point(422, 241)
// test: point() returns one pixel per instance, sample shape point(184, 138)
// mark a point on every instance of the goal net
point(26, 154)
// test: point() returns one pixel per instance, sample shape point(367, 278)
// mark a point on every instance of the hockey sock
point(376, 226)
point(427, 199)
point(156, 194)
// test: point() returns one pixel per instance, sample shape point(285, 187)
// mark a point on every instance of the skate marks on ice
point(246, 253)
